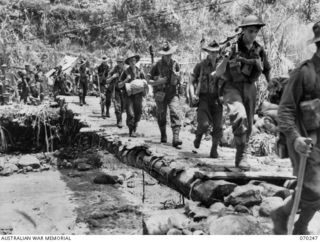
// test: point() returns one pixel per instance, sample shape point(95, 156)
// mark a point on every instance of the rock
point(200, 213)
point(270, 190)
point(2, 163)
point(217, 207)
point(12, 166)
point(247, 195)
point(84, 167)
point(160, 222)
point(222, 188)
point(29, 160)
point(174, 232)
point(7, 171)
point(186, 232)
point(106, 179)
point(255, 211)
point(198, 232)
point(44, 167)
point(268, 204)
point(235, 225)
point(14, 160)
point(242, 209)
point(28, 168)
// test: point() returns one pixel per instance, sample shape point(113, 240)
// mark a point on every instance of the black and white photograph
point(159, 117)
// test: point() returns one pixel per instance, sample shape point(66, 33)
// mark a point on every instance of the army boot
point(119, 122)
point(80, 101)
point(197, 141)
point(163, 134)
point(214, 149)
point(240, 159)
point(176, 141)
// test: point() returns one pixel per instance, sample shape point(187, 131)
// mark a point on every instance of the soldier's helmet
point(251, 20)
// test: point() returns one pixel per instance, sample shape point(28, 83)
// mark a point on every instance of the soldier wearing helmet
point(241, 67)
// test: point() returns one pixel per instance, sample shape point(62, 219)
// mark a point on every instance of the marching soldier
point(83, 82)
point(206, 95)
point(113, 80)
point(133, 102)
point(167, 73)
point(103, 70)
point(241, 67)
point(298, 117)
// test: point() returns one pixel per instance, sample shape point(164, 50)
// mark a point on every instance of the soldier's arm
point(222, 66)
point(287, 113)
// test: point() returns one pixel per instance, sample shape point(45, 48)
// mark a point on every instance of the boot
point(163, 134)
point(80, 101)
point(214, 149)
point(107, 113)
point(280, 217)
point(119, 124)
point(176, 141)
point(197, 141)
point(240, 159)
point(301, 226)
point(84, 99)
point(132, 133)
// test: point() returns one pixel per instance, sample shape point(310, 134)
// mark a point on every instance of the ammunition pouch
point(310, 111)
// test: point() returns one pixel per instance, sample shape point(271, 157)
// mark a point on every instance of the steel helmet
point(251, 20)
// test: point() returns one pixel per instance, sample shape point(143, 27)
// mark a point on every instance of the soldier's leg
point(162, 119)
point(81, 93)
point(203, 120)
point(250, 93)
point(130, 114)
point(238, 118)
point(174, 107)
point(216, 114)
point(108, 102)
point(85, 89)
point(117, 102)
point(138, 98)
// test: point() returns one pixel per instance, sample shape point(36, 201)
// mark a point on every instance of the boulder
point(217, 207)
point(235, 225)
point(29, 160)
point(268, 204)
point(255, 211)
point(14, 160)
point(200, 213)
point(247, 195)
point(2, 163)
point(28, 168)
point(160, 222)
point(13, 167)
point(198, 232)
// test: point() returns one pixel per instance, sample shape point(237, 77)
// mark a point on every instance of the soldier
point(26, 77)
point(133, 102)
point(2, 83)
point(113, 80)
point(103, 70)
point(302, 89)
point(36, 86)
point(83, 82)
point(167, 72)
point(209, 106)
point(241, 68)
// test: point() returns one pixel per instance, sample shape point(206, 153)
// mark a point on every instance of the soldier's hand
point(194, 99)
point(303, 146)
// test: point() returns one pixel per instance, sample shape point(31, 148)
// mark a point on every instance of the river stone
point(217, 207)
point(200, 213)
point(247, 195)
point(198, 232)
point(234, 225)
point(268, 204)
point(106, 179)
point(29, 160)
point(14, 160)
point(2, 163)
point(174, 232)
